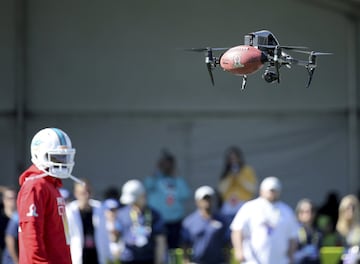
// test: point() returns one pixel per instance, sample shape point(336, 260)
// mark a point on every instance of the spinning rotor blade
point(204, 49)
point(284, 47)
point(197, 49)
point(315, 53)
point(322, 53)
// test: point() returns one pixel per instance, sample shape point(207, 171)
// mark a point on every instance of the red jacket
point(42, 220)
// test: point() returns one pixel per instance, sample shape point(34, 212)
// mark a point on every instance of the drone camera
point(270, 76)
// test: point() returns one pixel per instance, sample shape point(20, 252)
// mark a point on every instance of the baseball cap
point(271, 183)
point(111, 204)
point(131, 190)
point(203, 191)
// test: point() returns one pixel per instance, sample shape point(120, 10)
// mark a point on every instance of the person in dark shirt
point(11, 252)
point(309, 239)
point(203, 231)
point(8, 207)
point(142, 227)
point(90, 255)
point(330, 208)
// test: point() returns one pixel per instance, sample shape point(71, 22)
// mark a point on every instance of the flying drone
point(260, 48)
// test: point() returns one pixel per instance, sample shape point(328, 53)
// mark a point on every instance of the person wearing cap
point(111, 209)
point(142, 228)
point(89, 240)
point(203, 231)
point(264, 230)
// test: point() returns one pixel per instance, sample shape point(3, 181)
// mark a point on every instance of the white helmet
point(51, 152)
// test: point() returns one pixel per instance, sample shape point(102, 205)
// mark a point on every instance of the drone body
point(260, 48)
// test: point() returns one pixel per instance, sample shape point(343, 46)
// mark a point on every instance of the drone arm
point(304, 63)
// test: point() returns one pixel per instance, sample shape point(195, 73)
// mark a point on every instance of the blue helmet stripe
point(61, 136)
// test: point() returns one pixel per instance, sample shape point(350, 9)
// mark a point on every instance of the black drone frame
point(274, 55)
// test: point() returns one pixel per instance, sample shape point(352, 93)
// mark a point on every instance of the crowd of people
point(240, 220)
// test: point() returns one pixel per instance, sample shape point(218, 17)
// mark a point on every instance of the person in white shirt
point(264, 230)
point(89, 240)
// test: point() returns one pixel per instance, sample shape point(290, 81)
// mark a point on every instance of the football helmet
point(52, 152)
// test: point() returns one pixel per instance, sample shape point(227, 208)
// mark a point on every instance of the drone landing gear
point(310, 71)
point(244, 81)
point(310, 65)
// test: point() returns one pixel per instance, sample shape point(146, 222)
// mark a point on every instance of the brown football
point(242, 60)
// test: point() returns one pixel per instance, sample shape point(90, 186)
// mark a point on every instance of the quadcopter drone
point(260, 47)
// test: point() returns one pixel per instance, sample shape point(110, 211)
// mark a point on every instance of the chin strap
point(76, 180)
point(35, 177)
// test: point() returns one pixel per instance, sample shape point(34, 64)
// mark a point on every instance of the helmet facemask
point(60, 162)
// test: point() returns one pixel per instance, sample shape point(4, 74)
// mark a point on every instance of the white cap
point(204, 191)
point(131, 190)
point(271, 183)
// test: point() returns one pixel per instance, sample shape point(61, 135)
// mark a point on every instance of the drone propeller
point(205, 49)
point(313, 53)
point(284, 47)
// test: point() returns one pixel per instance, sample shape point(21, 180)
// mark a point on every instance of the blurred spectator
point(265, 229)
point(330, 238)
point(8, 200)
point(309, 237)
point(11, 252)
point(89, 241)
point(330, 208)
point(142, 229)
point(65, 193)
point(348, 226)
point(2, 188)
point(111, 207)
point(237, 184)
point(167, 194)
point(203, 231)
point(111, 192)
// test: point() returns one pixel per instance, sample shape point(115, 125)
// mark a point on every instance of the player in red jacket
point(43, 232)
